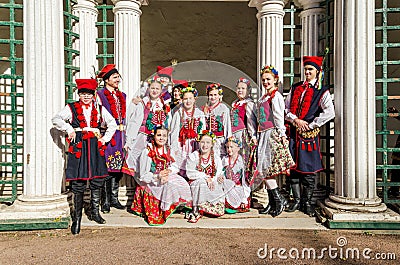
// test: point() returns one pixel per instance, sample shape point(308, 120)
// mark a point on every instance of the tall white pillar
point(127, 44)
point(86, 44)
point(270, 34)
point(354, 75)
point(44, 95)
point(309, 17)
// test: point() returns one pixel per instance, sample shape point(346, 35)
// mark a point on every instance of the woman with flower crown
point(204, 170)
point(140, 120)
point(161, 190)
point(244, 124)
point(188, 121)
point(217, 117)
point(273, 156)
point(235, 185)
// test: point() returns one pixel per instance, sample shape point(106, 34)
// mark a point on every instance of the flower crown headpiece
point(233, 139)
point(244, 80)
point(156, 127)
point(215, 86)
point(270, 68)
point(190, 88)
point(208, 133)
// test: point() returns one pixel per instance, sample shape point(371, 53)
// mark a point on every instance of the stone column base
point(29, 213)
point(346, 216)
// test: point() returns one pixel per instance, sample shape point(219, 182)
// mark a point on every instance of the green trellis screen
point(387, 70)
point(11, 100)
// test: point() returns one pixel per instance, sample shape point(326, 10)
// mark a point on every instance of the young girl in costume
point(235, 184)
point(273, 151)
point(187, 122)
point(176, 94)
point(140, 120)
point(217, 117)
point(244, 124)
point(160, 189)
point(204, 170)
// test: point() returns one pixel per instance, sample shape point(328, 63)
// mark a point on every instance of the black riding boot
point(94, 203)
point(271, 204)
point(280, 202)
point(106, 197)
point(78, 205)
point(114, 194)
point(308, 208)
point(296, 196)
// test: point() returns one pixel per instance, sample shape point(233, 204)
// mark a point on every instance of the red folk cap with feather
point(165, 71)
point(315, 61)
point(107, 71)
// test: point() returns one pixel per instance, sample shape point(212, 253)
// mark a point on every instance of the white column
point(354, 70)
point(270, 33)
point(127, 44)
point(310, 46)
point(309, 17)
point(44, 95)
point(86, 44)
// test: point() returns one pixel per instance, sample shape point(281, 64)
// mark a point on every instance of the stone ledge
point(342, 219)
point(34, 224)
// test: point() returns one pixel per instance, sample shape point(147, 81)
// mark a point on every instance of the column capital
point(139, 3)
point(269, 6)
point(308, 4)
point(129, 5)
point(88, 5)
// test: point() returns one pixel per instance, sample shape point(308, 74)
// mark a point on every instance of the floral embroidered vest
point(159, 162)
point(265, 119)
point(151, 118)
point(238, 117)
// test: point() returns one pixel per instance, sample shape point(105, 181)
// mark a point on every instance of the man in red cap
point(165, 75)
point(308, 107)
point(114, 101)
point(81, 121)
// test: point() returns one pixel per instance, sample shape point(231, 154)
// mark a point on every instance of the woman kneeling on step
point(160, 189)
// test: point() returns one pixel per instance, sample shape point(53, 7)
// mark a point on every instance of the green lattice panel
point(105, 27)
point(11, 101)
point(387, 27)
point(70, 53)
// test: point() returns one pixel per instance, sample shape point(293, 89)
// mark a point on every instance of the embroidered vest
point(75, 121)
point(151, 118)
point(107, 105)
point(238, 117)
point(265, 120)
point(314, 109)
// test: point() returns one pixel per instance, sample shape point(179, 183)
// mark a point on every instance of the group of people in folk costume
point(203, 161)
